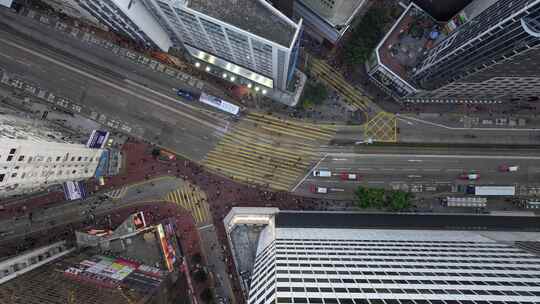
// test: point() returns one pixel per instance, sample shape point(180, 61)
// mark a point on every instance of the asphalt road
point(129, 92)
point(392, 167)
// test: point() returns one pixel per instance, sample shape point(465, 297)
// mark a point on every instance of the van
point(322, 173)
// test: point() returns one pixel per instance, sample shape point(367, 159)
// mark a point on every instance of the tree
point(366, 35)
point(207, 295)
point(399, 200)
point(200, 275)
point(314, 94)
point(370, 197)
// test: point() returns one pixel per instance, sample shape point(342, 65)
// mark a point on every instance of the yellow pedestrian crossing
point(333, 78)
point(382, 128)
point(192, 199)
point(268, 150)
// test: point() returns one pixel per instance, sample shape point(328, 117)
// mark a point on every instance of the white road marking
point(459, 128)
point(409, 169)
point(436, 156)
point(339, 159)
point(337, 190)
point(415, 160)
point(387, 169)
point(414, 176)
point(108, 83)
point(309, 173)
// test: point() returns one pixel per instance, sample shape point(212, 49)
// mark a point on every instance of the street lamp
point(257, 89)
point(249, 85)
point(197, 64)
point(233, 78)
point(264, 91)
point(224, 75)
point(208, 69)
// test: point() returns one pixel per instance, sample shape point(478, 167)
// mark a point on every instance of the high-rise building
point(129, 18)
point(489, 52)
point(327, 19)
point(33, 156)
point(246, 41)
point(335, 257)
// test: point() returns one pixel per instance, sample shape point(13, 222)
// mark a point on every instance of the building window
point(2, 177)
point(14, 175)
point(30, 158)
point(79, 158)
point(21, 158)
point(12, 151)
point(10, 158)
point(73, 158)
point(58, 158)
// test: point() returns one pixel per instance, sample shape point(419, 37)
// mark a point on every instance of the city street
point(406, 167)
point(142, 98)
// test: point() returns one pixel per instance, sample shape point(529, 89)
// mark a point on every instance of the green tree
point(314, 93)
point(370, 197)
point(399, 200)
point(366, 35)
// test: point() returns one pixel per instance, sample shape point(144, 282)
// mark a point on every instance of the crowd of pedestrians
point(222, 193)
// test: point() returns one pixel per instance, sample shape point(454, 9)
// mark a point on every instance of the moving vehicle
point(508, 168)
point(470, 176)
point(186, 94)
point(318, 190)
point(220, 104)
point(349, 176)
point(322, 173)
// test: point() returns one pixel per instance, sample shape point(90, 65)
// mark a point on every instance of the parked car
point(349, 176)
point(318, 190)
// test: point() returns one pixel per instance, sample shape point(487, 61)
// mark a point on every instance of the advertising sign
point(138, 220)
point(74, 190)
point(97, 139)
point(167, 248)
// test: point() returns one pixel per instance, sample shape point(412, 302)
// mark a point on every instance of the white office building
point(34, 156)
point(247, 41)
point(338, 258)
point(129, 18)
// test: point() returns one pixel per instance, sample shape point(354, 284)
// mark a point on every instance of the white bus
point(219, 103)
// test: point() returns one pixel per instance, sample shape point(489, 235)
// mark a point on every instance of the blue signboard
point(97, 139)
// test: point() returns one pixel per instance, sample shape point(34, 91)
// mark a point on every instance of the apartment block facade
point(250, 41)
point(34, 156)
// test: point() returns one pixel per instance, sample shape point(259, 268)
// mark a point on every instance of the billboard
point(167, 247)
point(74, 190)
point(138, 220)
point(97, 139)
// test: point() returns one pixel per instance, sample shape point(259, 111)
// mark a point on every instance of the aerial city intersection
point(253, 151)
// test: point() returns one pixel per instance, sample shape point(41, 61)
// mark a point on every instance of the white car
point(318, 190)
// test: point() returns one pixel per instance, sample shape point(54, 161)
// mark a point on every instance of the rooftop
point(51, 284)
point(294, 219)
point(405, 46)
point(249, 15)
point(343, 15)
point(444, 10)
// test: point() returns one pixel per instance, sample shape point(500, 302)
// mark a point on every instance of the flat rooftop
point(353, 220)
point(344, 12)
point(405, 46)
point(249, 15)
